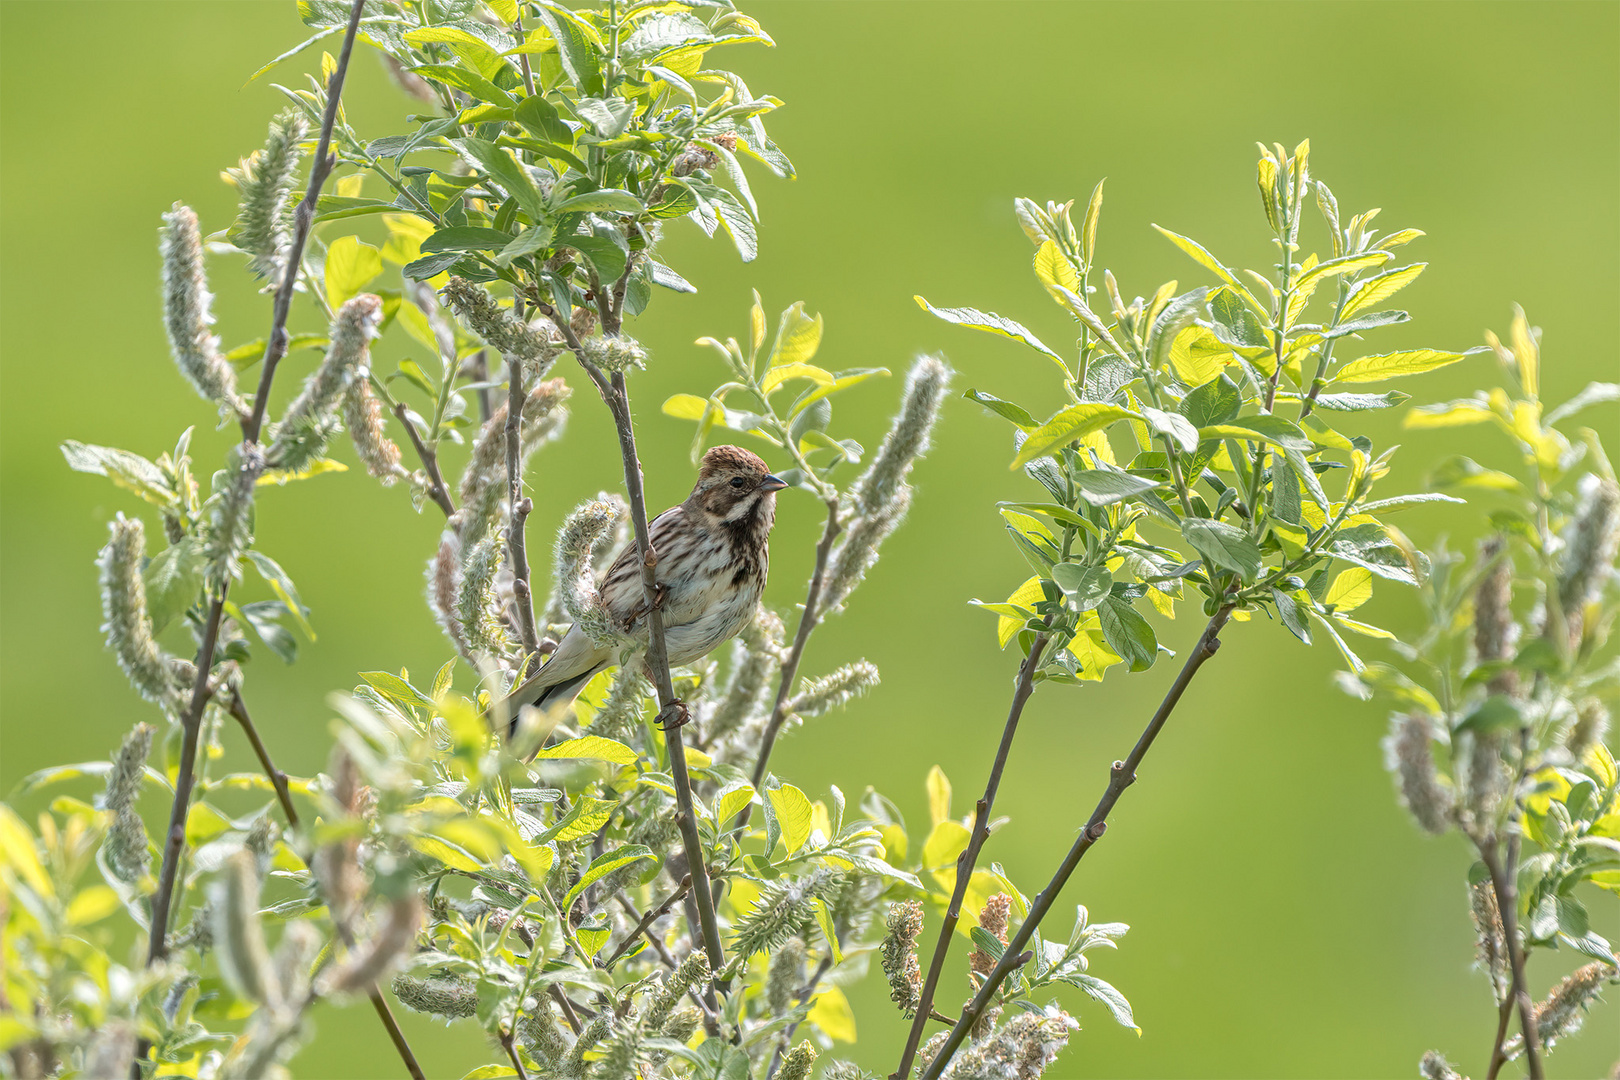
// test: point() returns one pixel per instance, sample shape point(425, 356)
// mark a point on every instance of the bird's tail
point(546, 698)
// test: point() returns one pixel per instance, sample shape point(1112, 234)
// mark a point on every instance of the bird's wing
point(621, 588)
point(576, 655)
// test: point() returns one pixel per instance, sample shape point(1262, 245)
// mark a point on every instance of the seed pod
point(693, 970)
point(484, 483)
point(476, 610)
point(1020, 1050)
point(541, 1036)
point(1491, 938)
point(227, 531)
point(443, 590)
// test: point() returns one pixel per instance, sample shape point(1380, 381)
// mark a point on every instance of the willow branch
point(1507, 902)
point(790, 666)
point(1121, 776)
point(278, 779)
point(644, 925)
point(970, 855)
point(522, 594)
point(511, 1053)
point(430, 462)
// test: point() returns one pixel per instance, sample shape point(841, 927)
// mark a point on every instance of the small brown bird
point(712, 562)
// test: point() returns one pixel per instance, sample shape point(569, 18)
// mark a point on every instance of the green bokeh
point(1287, 919)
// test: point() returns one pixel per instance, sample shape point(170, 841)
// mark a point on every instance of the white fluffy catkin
point(187, 309)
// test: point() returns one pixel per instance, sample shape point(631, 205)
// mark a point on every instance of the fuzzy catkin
point(187, 304)
point(295, 957)
point(363, 416)
point(581, 533)
point(621, 1055)
point(785, 976)
point(443, 590)
point(264, 183)
point(1409, 757)
point(1495, 632)
point(692, 971)
point(1590, 728)
point(541, 1036)
point(784, 909)
point(1434, 1066)
point(1020, 1050)
point(573, 1065)
point(993, 920)
point(797, 1062)
point(755, 661)
point(227, 531)
point(1491, 943)
point(621, 712)
point(238, 937)
point(1563, 1011)
point(475, 597)
point(817, 696)
point(448, 996)
point(309, 421)
point(126, 623)
point(484, 483)
point(899, 954)
point(500, 328)
point(858, 551)
point(1590, 543)
point(126, 846)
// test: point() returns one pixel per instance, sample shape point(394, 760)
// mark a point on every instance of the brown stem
point(652, 916)
point(790, 667)
point(386, 1015)
point(970, 856)
point(1121, 776)
point(430, 461)
point(1507, 902)
point(278, 779)
point(511, 1053)
point(522, 596)
point(567, 1008)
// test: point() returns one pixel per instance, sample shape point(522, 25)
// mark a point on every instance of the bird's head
point(736, 488)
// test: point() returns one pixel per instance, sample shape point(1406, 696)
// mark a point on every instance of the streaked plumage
point(712, 562)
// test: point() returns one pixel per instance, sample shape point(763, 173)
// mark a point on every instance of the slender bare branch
point(1507, 902)
point(522, 595)
point(278, 779)
point(1121, 776)
point(430, 462)
point(970, 855)
point(512, 1054)
point(644, 926)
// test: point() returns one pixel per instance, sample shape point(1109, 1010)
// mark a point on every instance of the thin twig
point(275, 349)
point(511, 1053)
point(522, 596)
point(430, 462)
point(790, 666)
point(1507, 902)
point(386, 1015)
point(1121, 776)
point(567, 1008)
point(652, 916)
point(278, 779)
point(970, 855)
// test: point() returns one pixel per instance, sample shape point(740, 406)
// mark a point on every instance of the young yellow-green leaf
point(602, 866)
point(1088, 227)
point(1376, 290)
point(1449, 414)
point(824, 920)
point(1351, 589)
point(731, 799)
point(1197, 355)
point(1054, 270)
point(1364, 629)
point(1526, 353)
point(756, 324)
point(1025, 597)
point(992, 323)
point(447, 853)
point(1202, 257)
point(844, 381)
point(686, 407)
point(1093, 654)
point(1224, 546)
point(781, 373)
point(798, 336)
point(939, 795)
point(350, 266)
point(832, 1014)
point(793, 811)
point(1371, 369)
point(1074, 422)
point(590, 746)
point(1347, 264)
point(945, 842)
point(1279, 431)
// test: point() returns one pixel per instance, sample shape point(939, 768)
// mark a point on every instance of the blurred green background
point(1287, 918)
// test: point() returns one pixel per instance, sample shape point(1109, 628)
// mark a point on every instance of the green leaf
point(1103, 486)
point(1371, 369)
point(798, 336)
point(262, 616)
point(1202, 256)
point(539, 118)
point(1289, 611)
point(1127, 633)
point(351, 264)
point(607, 200)
point(506, 171)
point(604, 249)
point(590, 746)
point(990, 323)
point(730, 800)
point(580, 56)
point(129, 471)
point(828, 931)
point(740, 227)
point(844, 381)
point(467, 81)
point(1177, 315)
point(1085, 586)
point(532, 239)
point(793, 812)
point(1115, 1001)
point(1172, 426)
point(1236, 324)
point(1375, 290)
point(1495, 712)
point(466, 238)
point(397, 688)
point(1004, 409)
point(1075, 422)
point(1223, 546)
point(1215, 402)
point(602, 866)
point(1595, 393)
point(174, 578)
point(1361, 402)
point(282, 585)
point(1276, 430)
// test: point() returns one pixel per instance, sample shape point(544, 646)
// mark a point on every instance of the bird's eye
point(737, 482)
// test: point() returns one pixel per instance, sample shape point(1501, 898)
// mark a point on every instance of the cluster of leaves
point(1177, 420)
point(1502, 697)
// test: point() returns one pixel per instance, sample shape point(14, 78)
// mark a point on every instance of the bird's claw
point(674, 715)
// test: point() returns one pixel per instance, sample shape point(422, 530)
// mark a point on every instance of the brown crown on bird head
point(731, 459)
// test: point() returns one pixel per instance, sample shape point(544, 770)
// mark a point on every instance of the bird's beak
point(771, 483)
